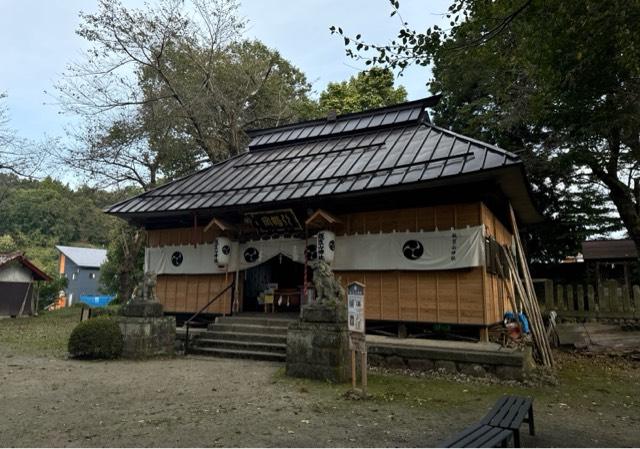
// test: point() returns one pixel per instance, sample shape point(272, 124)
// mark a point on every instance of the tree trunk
point(627, 205)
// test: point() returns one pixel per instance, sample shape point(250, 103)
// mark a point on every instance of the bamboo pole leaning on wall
point(524, 285)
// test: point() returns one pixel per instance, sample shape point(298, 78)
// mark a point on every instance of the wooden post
point(484, 334)
point(357, 336)
point(559, 297)
point(580, 297)
point(353, 369)
point(591, 301)
point(626, 299)
point(363, 370)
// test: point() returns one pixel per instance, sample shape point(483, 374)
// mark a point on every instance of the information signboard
point(356, 326)
point(355, 300)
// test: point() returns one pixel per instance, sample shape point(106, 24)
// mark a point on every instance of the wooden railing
point(609, 300)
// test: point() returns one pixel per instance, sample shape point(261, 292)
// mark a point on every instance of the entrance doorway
point(279, 276)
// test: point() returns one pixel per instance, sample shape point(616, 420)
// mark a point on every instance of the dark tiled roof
point(383, 148)
point(609, 249)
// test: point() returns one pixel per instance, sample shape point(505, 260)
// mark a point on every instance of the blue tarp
point(96, 301)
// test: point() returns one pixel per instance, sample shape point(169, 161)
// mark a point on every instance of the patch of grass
point(46, 334)
point(583, 382)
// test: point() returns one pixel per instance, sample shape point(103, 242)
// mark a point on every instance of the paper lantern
point(222, 251)
point(326, 246)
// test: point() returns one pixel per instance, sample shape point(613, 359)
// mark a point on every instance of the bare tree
point(18, 156)
point(166, 88)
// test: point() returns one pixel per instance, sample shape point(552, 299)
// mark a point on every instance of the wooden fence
point(611, 300)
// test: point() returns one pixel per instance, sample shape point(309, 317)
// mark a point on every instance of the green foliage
point(558, 82)
point(109, 311)
point(7, 244)
point(366, 90)
point(124, 267)
point(37, 215)
point(98, 338)
point(49, 291)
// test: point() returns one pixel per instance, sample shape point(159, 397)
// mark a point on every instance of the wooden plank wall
point(188, 293)
point(451, 296)
point(468, 296)
point(413, 220)
point(497, 301)
point(180, 236)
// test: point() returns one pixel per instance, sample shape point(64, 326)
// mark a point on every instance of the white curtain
point(438, 250)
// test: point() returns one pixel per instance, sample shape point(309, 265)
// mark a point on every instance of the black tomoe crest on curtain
point(251, 254)
point(412, 249)
point(176, 258)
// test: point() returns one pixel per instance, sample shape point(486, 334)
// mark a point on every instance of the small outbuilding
point(81, 267)
point(18, 288)
point(611, 260)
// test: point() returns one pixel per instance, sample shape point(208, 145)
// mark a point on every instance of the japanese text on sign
point(355, 300)
point(274, 221)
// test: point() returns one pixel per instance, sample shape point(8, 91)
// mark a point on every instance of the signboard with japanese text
point(355, 303)
point(274, 221)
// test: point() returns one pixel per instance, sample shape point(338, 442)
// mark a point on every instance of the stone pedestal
point(146, 331)
point(318, 344)
point(143, 309)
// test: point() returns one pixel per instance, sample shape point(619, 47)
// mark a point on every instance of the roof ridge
point(427, 101)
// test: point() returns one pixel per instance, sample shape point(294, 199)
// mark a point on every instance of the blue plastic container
point(96, 301)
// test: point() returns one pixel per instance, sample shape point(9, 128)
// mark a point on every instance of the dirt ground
point(53, 401)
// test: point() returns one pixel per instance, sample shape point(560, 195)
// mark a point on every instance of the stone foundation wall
point(511, 365)
point(147, 336)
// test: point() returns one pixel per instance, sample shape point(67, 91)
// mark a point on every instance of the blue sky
point(38, 40)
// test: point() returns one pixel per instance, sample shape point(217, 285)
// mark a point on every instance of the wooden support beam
point(220, 224)
point(321, 216)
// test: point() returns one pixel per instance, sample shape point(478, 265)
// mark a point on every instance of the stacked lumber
point(522, 284)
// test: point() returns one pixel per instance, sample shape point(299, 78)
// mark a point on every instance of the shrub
point(105, 311)
point(99, 338)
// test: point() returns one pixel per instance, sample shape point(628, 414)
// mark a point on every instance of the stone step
point(254, 320)
point(248, 328)
point(256, 346)
point(244, 336)
point(238, 354)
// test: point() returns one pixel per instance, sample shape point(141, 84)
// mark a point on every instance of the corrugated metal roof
point(609, 249)
point(393, 147)
point(18, 256)
point(412, 111)
point(84, 257)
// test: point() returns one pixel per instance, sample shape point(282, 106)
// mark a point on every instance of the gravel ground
point(220, 402)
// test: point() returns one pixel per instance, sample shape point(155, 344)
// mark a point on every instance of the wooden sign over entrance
point(274, 221)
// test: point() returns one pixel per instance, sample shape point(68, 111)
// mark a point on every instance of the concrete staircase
point(244, 336)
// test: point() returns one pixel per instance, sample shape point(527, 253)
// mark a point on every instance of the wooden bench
point(480, 435)
point(510, 412)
